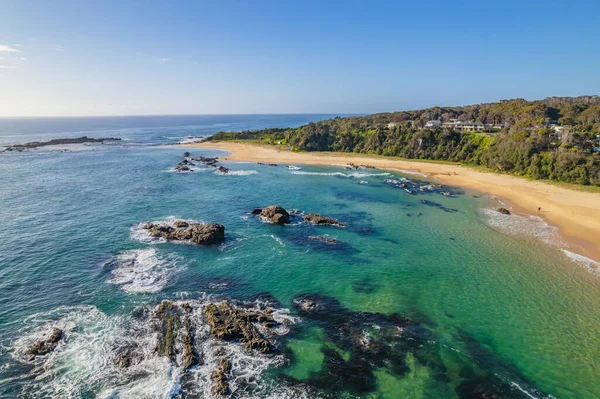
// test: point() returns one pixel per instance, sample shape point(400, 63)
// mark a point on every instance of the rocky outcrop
point(275, 214)
point(180, 223)
point(206, 160)
point(223, 170)
point(351, 166)
point(220, 375)
point(45, 344)
point(78, 140)
point(321, 220)
point(175, 334)
point(504, 211)
point(197, 233)
point(187, 162)
point(229, 323)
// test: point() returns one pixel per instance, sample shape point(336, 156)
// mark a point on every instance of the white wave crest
point(237, 173)
point(530, 226)
point(352, 174)
point(590, 264)
point(409, 172)
point(142, 270)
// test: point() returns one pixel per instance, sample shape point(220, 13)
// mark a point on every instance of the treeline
point(556, 138)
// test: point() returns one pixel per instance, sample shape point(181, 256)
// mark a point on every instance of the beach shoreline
point(575, 213)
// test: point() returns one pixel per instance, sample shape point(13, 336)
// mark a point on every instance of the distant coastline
point(576, 213)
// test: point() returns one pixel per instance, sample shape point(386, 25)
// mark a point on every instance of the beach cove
point(417, 291)
point(575, 212)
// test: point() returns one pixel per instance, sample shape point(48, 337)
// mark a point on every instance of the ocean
point(419, 295)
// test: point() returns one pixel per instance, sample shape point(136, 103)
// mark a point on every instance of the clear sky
point(198, 57)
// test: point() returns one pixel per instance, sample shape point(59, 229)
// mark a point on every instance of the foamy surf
point(143, 270)
point(518, 225)
point(408, 172)
point(341, 174)
point(236, 173)
point(590, 264)
point(87, 360)
point(138, 233)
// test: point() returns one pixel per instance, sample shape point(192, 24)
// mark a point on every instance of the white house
point(433, 124)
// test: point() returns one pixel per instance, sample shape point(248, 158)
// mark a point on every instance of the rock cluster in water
point(318, 219)
point(278, 215)
point(180, 230)
point(274, 214)
point(78, 140)
point(179, 328)
point(353, 166)
point(188, 161)
point(504, 211)
point(45, 344)
point(230, 323)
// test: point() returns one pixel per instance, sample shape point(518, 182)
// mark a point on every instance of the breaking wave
point(529, 226)
point(409, 172)
point(590, 264)
point(142, 270)
point(352, 174)
point(87, 360)
point(237, 173)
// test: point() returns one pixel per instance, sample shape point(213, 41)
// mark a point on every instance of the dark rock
point(186, 154)
point(197, 233)
point(45, 344)
point(275, 214)
point(223, 169)
point(321, 220)
point(125, 356)
point(206, 160)
point(78, 140)
point(182, 168)
point(180, 223)
point(174, 326)
point(504, 211)
point(256, 211)
point(351, 166)
point(326, 240)
point(220, 376)
point(229, 323)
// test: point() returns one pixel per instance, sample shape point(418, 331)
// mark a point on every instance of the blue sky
point(159, 57)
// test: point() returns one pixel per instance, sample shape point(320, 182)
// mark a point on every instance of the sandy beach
point(575, 213)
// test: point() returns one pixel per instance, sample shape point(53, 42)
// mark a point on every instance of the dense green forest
point(557, 138)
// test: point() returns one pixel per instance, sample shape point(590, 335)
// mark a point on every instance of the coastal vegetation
point(557, 138)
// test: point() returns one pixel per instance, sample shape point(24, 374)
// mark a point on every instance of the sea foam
point(86, 359)
point(590, 264)
point(352, 174)
point(237, 173)
point(530, 226)
point(143, 270)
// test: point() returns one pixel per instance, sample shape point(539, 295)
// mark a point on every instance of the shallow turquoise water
point(493, 307)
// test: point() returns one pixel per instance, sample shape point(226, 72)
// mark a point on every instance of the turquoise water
point(507, 312)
